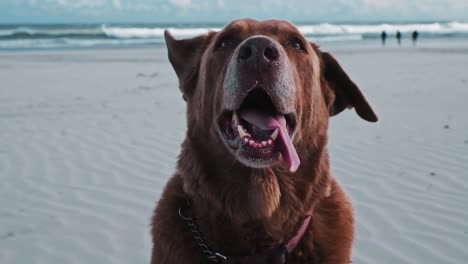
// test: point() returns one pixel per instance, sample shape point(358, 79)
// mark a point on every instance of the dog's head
point(261, 92)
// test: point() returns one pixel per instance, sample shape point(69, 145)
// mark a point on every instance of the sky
point(157, 11)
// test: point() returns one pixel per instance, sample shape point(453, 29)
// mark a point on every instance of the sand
point(88, 139)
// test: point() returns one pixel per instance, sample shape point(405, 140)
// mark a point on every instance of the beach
point(89, 137)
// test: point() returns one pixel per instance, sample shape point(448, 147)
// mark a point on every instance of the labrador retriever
point(253, 181)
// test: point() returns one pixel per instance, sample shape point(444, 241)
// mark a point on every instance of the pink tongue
point(267, 122)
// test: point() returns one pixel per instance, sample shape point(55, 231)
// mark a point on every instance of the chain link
point(209, 253)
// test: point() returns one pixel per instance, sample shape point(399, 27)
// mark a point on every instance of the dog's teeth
point(245, 140)
point(264, 143)
point(242, 133)
point(235, 121)
point(270, 142)
point(274, 135)
point(251, 142)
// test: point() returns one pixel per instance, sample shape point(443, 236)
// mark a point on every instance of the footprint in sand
point(7, 235)
point(145, 87)
point(141, 88)
point(151, 75)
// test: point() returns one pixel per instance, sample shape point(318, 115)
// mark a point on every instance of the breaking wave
point(63, 36)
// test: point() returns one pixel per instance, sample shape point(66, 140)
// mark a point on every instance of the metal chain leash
point(209, 253)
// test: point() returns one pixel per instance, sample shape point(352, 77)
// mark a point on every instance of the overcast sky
point(66, 11)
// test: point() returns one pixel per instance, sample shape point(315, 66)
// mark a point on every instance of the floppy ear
point(347, 94)
point(185, 56)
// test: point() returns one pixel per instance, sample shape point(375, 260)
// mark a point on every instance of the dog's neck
point(266, 205)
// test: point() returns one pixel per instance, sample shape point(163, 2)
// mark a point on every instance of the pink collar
point(295, 240)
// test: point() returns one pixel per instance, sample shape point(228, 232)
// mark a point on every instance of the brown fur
point(242, 210)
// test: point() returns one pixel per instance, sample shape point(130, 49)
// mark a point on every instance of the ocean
point(31, 36)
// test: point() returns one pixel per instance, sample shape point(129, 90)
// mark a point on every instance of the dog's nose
point(261, 50)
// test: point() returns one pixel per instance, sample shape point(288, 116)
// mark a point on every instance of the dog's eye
point(225, 43)
point(296, 44)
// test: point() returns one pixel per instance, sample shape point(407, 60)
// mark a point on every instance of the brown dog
point(254, 165)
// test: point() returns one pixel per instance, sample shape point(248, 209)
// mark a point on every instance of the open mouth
point(258, 133)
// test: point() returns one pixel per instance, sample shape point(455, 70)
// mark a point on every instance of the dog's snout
point(261, 50)
point(259, 62)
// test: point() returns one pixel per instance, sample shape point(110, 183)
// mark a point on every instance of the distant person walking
point(383, 36)
point(398, 37)
point(414, 37)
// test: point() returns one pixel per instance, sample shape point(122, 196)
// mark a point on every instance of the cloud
point(181, 3)
point(223, 10)
point(78, 3)
point(74, 4)
point(117, 4)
